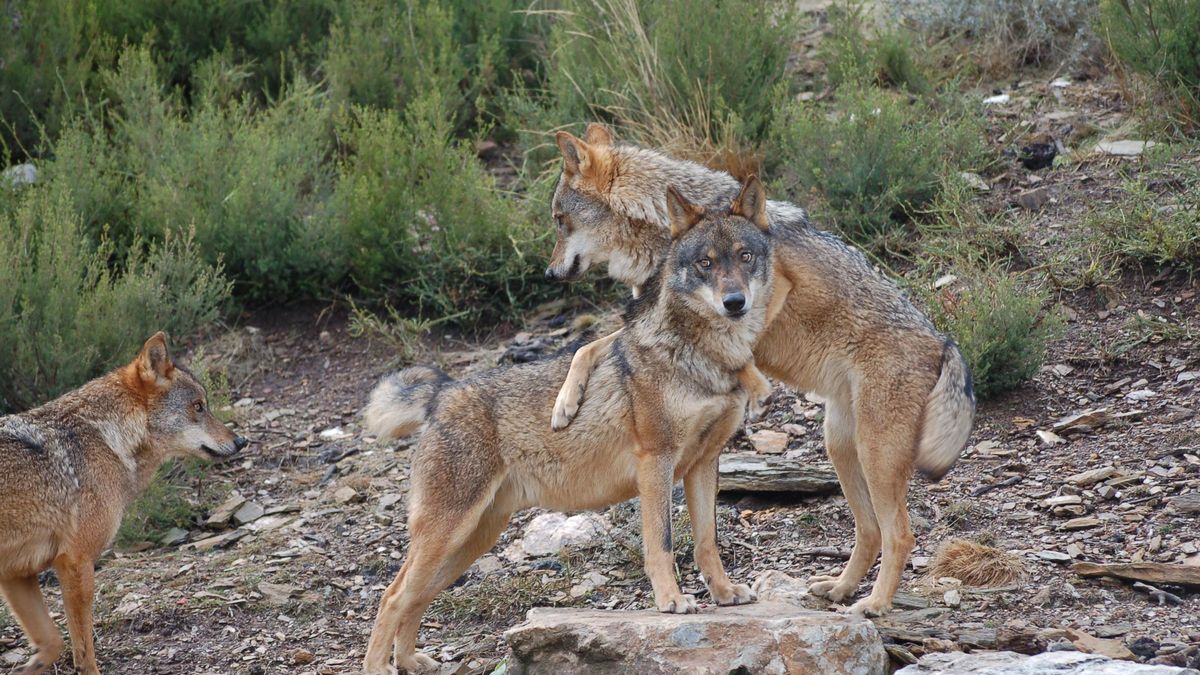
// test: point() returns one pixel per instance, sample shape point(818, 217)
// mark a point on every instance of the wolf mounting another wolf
point(897, 393)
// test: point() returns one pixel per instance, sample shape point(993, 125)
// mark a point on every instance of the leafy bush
point(999, 324)
point(424, 225)
point(1004, 34)
point(66, 316)
point(1160, 38)
point(874, 161)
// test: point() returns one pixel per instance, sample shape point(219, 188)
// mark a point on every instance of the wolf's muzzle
point(735, 303)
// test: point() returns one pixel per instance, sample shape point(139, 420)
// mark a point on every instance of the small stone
point(549, 533)
point(1081, 523)
point(334, 434)
point(248, 513)
point(302, 657)
point(221, 515)
point(1187, 376)
point(1092, 476)
point(345, 495)
point(1074, 550)
point(976, 182)
point(1050, 438)
point(244, 402)
point(769, 442)
point(1124, 148)
point(1033, 200)
point(387, 501)
point(174, 536)
point(1141, 395)
point(1063, 500)
point(1054, 556)
point(952, 598)
point(276, 594)
point(998, 99)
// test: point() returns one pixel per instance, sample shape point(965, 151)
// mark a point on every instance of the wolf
point(68, 471)
point(898, 393)
point(661, 405)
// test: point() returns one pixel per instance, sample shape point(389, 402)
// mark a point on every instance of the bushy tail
point(949, 413)
point(402, 401)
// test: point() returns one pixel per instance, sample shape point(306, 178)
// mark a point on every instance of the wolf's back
point(402, 401)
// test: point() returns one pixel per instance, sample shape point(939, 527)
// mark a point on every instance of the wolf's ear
point(154, 363)
point(751, 203)
point(598, 134)
point(683, 213)
point(577, 156)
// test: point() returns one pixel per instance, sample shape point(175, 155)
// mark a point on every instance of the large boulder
point(1048, 663)
point(763, 638)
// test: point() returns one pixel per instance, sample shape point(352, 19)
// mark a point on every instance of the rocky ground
point(286, 574)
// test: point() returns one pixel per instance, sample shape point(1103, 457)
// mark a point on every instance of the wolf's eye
point(704, 263)
point(198, 406)
point(747, 256)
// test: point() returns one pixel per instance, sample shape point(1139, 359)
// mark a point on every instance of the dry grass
point(975, 564)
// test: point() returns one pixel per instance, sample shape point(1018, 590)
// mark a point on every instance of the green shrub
point(675, 72)
point(874, 161)
point(45, 69)
point(424, 225)
point(66, 316)
point(1159, 38)
point(999, 323)
point(177, 494)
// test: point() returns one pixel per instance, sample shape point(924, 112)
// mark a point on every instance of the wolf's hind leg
point(29, 606)
point(479, 542)
point(566, 406)
point(758, 387)
point(839, 442)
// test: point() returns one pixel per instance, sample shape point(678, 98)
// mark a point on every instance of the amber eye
point(747, 256)
point(198, 406)
point(704, 263)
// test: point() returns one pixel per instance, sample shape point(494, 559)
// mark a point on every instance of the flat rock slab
point(767, 638)
point(1047, 663)
point(748, 472)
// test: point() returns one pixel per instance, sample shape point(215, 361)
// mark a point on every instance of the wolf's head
point(178, 420)
point(590, 228)
point(720, 260)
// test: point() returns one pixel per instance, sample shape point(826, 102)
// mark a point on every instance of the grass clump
point(975, 564)
point(857, 55)
point(875, 160)
point(67, 314)
point(999, 323)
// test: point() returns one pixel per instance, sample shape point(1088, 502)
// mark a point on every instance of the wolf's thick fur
point(898, 393)
point(69, 469)
point(662, 404)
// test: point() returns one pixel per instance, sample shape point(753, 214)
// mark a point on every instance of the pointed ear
point(154, 363)
point(577, 156)
point(598, 134)
point(751, 203)
point(684, 214)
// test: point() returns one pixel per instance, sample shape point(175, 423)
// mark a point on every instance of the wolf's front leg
point(656, 473)
point(566, 406)
point(700, 486)
point(758, 387)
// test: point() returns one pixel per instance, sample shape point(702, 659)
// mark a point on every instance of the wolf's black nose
point(734, 302)
point(241, 442)
point(550, 275)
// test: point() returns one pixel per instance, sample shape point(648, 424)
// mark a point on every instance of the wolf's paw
point(566, 406)
point(679, 604)
point(417, 664)
point(755, 408)
point(869, 606)
point(40, 662)
point(738, 594)
point(830, 588)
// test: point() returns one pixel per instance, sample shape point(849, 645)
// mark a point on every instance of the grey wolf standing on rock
point(69, 469)
point(897, 392)
point(662, 404)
